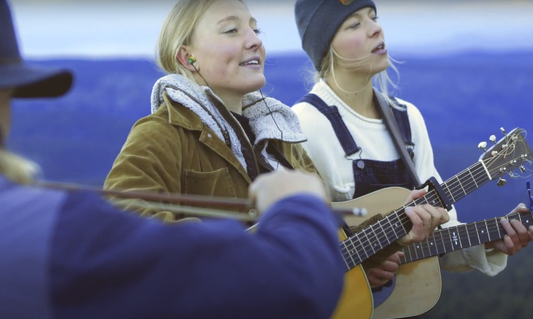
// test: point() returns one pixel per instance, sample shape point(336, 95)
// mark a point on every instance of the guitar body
point(417, 290)
point(418, 284)
point(356, 300)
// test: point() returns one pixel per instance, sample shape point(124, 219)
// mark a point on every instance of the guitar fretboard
point(461, 236)
point(359, 247)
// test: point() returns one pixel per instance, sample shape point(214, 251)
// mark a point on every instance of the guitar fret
point(433, 249)
point(385, 230)
point(443, 244)
point(344, 256)
point(460, 184)
point(408, 255)
point(498, 229)
point(477, 234)
point(358, 251)
point(483, 232)
point(396, 225)
point(376, 245)
point(415, 248)
point(449, 192)
point(445, 234)
point(369, 244)
point(473, 235)
point(354, 248)
point(463, 235)
point(424, 248)
point(364, 241)
point(488, 230)
point(470, 172)
point(435, 200)
point(494, 229)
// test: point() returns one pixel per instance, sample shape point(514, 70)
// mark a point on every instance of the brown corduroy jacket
point(172, 151)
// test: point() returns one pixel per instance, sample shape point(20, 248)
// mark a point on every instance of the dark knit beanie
point(318, 22)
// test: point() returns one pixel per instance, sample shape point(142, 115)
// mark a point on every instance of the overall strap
point(392, 126)
point(402, 119)
point(338, 125)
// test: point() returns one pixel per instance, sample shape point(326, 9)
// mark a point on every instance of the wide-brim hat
point(28, 81)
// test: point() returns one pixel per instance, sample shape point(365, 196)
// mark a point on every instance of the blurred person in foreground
point(72, 255)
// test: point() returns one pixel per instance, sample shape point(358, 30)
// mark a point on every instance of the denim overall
point(369, 175)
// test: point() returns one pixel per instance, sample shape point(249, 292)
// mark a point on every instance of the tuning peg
point(503, 131)
point(494, 153)
point(492, 138)
point(501, 181)
point(522, 169)
point(482, 145)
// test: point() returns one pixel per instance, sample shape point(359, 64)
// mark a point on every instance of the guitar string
point(431, 196)
point(424, 244)
point(435, 241)
point(463, 233)
point(455, 186)
point(401, 220)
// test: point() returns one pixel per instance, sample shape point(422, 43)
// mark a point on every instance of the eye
point(257, 31)
point(230, 31)
point(375, 19)
point(354, 26)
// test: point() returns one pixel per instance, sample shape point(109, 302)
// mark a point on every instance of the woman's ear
point(184, 57)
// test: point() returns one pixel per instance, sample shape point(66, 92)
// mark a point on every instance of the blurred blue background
point(467, 65)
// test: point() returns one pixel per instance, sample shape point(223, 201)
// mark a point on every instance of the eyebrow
point(235, 18)
point(356, 14)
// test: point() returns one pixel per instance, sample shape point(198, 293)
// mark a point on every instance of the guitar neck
point(364, 244)
point(461, 236)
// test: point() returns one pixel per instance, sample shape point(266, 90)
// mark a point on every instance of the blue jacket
point(72, 255)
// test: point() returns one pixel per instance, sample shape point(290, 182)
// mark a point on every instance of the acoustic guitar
point(356, 300)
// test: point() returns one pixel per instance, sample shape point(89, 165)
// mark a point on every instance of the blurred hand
point(271, 187)
point(380, 275)
point(517, 237)
point(425, 219)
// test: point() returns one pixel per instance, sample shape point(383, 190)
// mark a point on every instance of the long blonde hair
point(177, 31)
point(17, 168)
point(381, 80)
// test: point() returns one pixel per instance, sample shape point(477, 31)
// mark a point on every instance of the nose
point(252, 40)
point(375, 29)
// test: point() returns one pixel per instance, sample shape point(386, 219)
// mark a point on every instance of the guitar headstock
point(506, 155)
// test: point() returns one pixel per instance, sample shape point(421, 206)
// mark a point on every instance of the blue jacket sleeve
point(109, 264)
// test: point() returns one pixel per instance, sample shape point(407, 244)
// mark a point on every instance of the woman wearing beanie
point(348, 139)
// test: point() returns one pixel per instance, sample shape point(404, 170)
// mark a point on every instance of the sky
point(121, 28)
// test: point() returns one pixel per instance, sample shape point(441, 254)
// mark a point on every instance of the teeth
point(251, 62)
